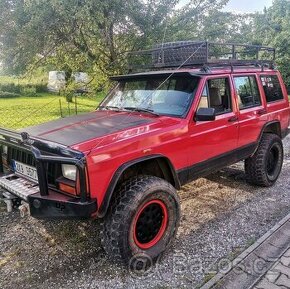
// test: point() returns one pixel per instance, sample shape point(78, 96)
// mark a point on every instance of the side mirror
point(205, 114)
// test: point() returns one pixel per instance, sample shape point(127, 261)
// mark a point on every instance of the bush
point(28, 90)
point(40, 88)
point(6, 94)
point(10, 87)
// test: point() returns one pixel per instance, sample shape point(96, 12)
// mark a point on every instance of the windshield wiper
point(109, 107)
point(139, 109)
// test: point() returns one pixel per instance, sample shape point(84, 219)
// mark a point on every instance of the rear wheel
point(264, 167)
point(142, 221)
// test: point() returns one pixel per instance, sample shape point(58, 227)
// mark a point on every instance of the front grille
point(20, 156)
point(23, 156)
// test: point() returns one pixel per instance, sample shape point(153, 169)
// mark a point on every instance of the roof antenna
point(161, 57)
point(164, 34)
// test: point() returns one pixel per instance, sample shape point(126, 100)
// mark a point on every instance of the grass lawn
point(27, 111)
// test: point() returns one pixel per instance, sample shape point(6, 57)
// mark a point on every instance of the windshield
point(162, 96)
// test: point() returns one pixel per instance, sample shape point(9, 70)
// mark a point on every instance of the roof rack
point(201, 54)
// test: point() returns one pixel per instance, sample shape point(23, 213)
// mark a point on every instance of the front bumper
point(51, 206)
point(57, 206)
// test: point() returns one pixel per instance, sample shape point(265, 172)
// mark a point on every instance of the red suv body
point(112, 141)
point(72, 167)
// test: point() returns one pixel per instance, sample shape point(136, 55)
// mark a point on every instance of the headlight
point(69, 172)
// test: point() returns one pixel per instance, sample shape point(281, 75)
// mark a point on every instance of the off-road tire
point(117, 234)
point(264, 167)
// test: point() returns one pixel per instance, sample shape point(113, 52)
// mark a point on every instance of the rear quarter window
point(272, 88)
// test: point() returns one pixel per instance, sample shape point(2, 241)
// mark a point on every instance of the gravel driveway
point(221, 216)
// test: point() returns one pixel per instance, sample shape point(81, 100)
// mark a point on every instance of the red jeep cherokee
point(191, 115)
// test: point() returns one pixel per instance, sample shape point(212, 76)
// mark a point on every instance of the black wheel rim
point(150, 224)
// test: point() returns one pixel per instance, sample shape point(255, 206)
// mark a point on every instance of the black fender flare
point(264, 130)
point(110, 190)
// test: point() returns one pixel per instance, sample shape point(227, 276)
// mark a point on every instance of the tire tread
point(255, 165)
point(126, 198)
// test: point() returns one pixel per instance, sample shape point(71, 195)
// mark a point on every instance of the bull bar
point(46, 152)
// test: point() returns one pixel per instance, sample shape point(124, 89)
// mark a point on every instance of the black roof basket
point(203, 53)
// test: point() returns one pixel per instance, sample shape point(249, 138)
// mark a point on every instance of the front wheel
point(264, 167)
point(142, 220)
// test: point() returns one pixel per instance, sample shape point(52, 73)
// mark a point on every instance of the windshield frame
point(166, 76)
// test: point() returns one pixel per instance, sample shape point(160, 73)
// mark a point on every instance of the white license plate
point(25, 170)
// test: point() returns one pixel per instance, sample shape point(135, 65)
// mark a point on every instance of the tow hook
point(24, 210)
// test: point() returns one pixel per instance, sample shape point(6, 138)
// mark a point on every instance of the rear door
point(276, 97)
point(252, 110)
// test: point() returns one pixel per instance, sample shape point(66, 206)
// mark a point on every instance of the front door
point(213, 143)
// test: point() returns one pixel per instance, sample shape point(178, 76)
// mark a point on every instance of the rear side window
point(247, 91)
point(272, 88)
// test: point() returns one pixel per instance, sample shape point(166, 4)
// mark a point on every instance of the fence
point(24, 112)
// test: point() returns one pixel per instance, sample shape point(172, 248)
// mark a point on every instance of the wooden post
point(60, 108)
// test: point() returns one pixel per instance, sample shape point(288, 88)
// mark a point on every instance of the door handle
point(233, 119)
point(261, 111)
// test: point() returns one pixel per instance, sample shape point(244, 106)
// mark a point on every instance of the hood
point(81, 128)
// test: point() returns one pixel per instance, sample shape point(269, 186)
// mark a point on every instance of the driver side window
point(217, 95)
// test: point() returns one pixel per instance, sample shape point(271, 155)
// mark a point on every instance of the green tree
point(272, 28)
point(91, 35)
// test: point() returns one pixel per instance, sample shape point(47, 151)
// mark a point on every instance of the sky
point(243, 6)
point(247, 5)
